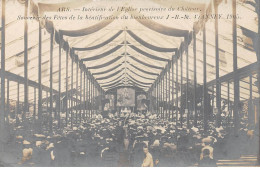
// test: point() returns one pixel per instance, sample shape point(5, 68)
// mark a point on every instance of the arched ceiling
point(129, 52)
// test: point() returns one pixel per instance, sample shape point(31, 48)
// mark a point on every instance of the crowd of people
point(125, 139)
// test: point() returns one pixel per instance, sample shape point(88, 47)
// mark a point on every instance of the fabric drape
point(106, 64)
point(101, 44)
point(105, 54)
point(150, 46)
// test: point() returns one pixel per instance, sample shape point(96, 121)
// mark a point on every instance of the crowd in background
point(123, 139)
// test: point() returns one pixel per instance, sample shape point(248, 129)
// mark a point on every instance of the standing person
point(148, 160)
point(206, 161)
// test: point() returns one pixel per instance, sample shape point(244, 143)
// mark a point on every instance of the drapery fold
point(114, 86)
point(147, 54)
point(143, 83)
point(105, 54)
point(146, 72)
point(111, 84)
point(150, 46)
point(110, 75)
point(106, 64)
point(146, 64)
point(140, 75)
point(107, 71)
point(140, 85)
point(111, 81)
point(101, 44)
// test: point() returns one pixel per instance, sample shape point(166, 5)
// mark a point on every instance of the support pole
point(59, 94)
point(218, 91)
point(7, 101)
point(89, 96)
point(67, 95)
point(195, 79)
point(177, 90)
point(77, 88)
point(51, 79)
point(84, 96)
point(205, 110)
point(40, 77)
point(18, 103)
point(157, 97)
point(47, 100)
point(26, 107)
point(160, 96)
point(250, 104)
point(236, 78)
point(71, 92)
point(169, 90)
point(228, 94)
point(173, 106)
point(34, 104)
point(92, 94)
point(187, 83)
point(80, 111)
point(163, 97)
point(258, 75)
point(228, 100)
point(166, 92)
point(181, 102)
point(2, 110)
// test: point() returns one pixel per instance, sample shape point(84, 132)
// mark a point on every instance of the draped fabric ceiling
point(133, 51)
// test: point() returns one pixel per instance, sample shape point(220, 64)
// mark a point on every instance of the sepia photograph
point(130, 83)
